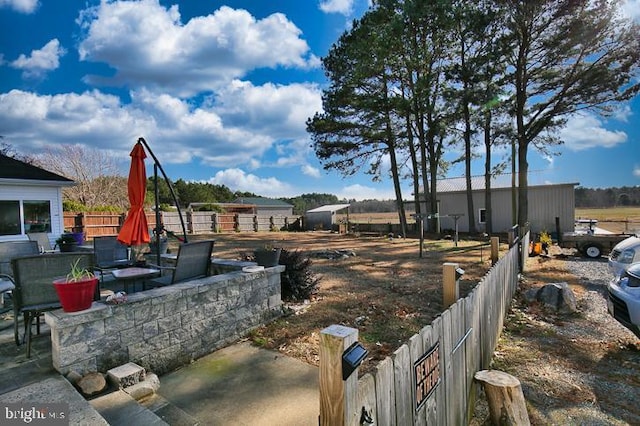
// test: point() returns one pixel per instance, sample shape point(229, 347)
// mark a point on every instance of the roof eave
point(36, 182)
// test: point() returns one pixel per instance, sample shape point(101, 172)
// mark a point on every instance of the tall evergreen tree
point(567, 57)
point(358, 128)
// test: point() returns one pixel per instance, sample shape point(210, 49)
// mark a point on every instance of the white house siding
point(546, 202)
point(42, 193)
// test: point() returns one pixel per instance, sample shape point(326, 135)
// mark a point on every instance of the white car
point(624, 254)
point(623, 302)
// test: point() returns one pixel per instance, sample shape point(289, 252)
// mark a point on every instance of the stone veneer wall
point(164, 328)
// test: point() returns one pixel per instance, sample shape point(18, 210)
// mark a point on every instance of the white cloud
point(32, 121)
point(623, 112)
point(344, 7)
point(239, 180)
point(149, 46)
point(309, 170)
point(361, 192)
point(279, 110)
point(584, 131)
point(40, 61)
point(631, 8)
point(212, 133)
point(636, 171)
point(22, 6)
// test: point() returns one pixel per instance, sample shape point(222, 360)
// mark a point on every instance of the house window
point(37, 216)
point(10, 218)
point(30, 215)
point(482, 214)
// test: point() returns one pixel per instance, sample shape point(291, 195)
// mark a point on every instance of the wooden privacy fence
point(96, 224)
point(429, 380)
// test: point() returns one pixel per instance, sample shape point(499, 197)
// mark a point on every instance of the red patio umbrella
point(135, 230)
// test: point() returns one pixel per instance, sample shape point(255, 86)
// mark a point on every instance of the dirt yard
point(380, 286)
point(388, 292)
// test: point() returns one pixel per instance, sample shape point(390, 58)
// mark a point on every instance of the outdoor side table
point(132, 275)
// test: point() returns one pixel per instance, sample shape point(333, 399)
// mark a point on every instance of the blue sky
point(221, 92)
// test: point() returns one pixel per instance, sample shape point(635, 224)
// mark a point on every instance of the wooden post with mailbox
point(450, 285)
point(495, 249)
point(338, 396)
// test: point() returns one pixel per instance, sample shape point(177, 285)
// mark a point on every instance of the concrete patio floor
point(237, 385)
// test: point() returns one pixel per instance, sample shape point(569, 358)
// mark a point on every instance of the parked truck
point(590, 241)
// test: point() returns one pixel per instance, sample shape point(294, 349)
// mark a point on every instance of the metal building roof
point(262, 202)
point(329, 208)
point(459, 184)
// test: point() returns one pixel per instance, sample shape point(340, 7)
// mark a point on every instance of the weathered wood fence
point(95, 224)
point(429, 380)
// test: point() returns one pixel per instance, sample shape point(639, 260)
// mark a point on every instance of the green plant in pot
point(77, 289)
point(267, 256)
point(66, 242)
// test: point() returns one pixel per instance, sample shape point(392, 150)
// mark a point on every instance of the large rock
point(148, 386)
point(555, 296)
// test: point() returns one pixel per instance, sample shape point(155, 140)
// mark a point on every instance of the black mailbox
point(459, 273)
point(352, 358)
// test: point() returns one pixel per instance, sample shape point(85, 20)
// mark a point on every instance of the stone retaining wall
point(164, 328)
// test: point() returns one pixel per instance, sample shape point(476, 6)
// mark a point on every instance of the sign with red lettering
point(426, 373)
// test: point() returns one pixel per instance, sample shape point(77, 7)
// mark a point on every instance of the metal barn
point(323, 217)
point(546, 203)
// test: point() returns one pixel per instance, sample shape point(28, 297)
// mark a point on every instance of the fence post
point(450, 287)
point(495, 246)
point(338, 397)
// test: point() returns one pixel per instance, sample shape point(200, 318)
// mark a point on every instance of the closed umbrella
point(135, 230)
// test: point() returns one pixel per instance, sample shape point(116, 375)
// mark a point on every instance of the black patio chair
point(34, 292)
point(110, 254)
point(9, 250)
point(193, 261)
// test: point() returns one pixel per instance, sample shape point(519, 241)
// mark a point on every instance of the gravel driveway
point(578, 369)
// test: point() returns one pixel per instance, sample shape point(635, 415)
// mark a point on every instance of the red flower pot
point(76, 295)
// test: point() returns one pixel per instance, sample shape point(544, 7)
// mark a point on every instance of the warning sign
point(426, 372)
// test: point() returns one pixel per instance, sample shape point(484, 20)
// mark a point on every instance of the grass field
point(616, 219)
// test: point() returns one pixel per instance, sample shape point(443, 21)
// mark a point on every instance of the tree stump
point(504, 395)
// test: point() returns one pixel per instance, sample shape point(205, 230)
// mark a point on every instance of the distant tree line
point(305, 202)
point(608, 197)
point(192, 192)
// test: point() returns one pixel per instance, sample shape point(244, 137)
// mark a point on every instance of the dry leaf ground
point(574, 369)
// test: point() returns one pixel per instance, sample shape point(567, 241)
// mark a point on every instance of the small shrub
point(298, 282)
point(73, 206)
